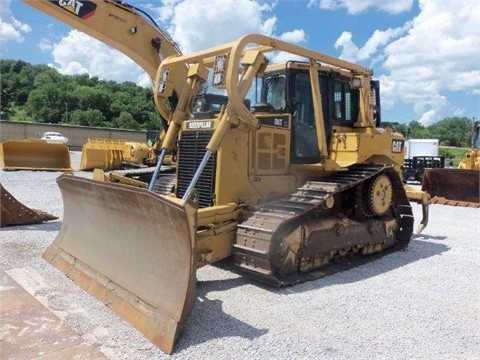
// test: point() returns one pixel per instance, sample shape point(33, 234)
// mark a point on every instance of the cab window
point(305, 132)
point(345, 101)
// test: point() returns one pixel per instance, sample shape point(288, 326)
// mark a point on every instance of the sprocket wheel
point(380, 194)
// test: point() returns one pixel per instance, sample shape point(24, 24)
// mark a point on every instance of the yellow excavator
point(303, 183)
point(457, 187)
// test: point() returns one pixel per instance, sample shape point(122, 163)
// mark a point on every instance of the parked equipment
point(305, 179)
point(13, 212)
point(34, 154)
point(112, 154)
point(421, 154)
point(414, 169)
point(458, 187)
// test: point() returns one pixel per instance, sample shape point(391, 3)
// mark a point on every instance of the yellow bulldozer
point(302, 183)
point(457, 187)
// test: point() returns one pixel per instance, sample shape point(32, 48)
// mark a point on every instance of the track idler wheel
point(380, 195)
point(374, 198)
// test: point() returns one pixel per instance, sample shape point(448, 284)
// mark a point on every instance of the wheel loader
point(457, 187)
point(301, 184)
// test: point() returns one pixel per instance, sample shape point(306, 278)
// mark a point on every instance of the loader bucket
point(34, 154)
point(452, 186)
point(133, 250)
point(13, 212)
point(105, 154)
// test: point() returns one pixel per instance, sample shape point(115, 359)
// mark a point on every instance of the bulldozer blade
point(132, 249)
point(105, 154)
point(452, 186)
point(34, 154)
point(13, 212)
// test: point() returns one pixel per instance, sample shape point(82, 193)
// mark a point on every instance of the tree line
point(452, 131)
point(39, 93)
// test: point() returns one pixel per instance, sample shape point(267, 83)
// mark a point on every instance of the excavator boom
point(122, 26)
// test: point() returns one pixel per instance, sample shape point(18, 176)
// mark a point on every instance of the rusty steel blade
point(456, 186)
point(133, 250)
point(34, 154)
point(15, 213)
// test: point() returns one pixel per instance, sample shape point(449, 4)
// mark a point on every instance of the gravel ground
point(420, 303)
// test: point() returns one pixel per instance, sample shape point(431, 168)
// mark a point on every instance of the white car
point(54, 137)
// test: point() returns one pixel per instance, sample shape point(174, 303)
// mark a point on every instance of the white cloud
point(45, 45)
point(78, 53)
point(357, 6)
point(295, 36)
point(374, 44)
point(435, 53)
point(10, 28)
point(198, 25)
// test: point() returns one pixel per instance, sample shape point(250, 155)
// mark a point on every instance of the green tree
point(126, 121)
point(89, 117)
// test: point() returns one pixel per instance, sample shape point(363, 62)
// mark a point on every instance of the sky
point(426, 53)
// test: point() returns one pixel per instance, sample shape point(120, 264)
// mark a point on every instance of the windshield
point(274, 91)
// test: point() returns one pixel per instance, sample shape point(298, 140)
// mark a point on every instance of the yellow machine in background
point(472, 158)
point(113, 154)
point(34, 154)
point(459, 187)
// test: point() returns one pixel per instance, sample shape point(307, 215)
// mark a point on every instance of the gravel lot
point(421, 303)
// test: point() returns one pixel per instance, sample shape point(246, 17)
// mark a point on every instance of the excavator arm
point(124, 27)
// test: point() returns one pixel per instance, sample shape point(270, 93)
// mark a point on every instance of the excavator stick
point(132, 249)
point(15, 213)
point(105, 154)
point(34, 154)
point(456, 187)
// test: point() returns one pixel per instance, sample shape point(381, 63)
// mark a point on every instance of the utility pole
point(66, 112)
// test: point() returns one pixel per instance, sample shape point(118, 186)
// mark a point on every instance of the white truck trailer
point(421, 154)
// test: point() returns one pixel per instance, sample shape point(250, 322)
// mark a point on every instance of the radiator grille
point(191, 149)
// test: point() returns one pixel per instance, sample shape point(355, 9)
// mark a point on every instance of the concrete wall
point(77, 135)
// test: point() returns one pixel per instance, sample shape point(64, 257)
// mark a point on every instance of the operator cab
point(288, 90)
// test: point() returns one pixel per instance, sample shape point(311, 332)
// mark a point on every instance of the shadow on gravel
point(200, 326)
point(48, 226)
point(203, 324)
point(427, 237)
point(376, 264)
